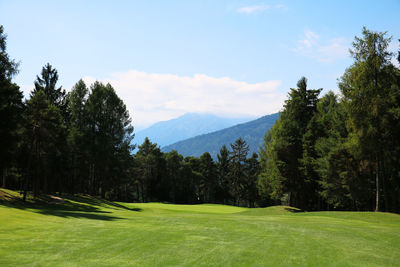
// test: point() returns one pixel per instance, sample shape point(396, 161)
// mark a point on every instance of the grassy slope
point(84, 231)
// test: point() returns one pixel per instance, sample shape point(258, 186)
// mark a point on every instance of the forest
point(325, 152)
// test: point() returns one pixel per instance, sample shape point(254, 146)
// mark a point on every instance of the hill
point(87, 231)
point(188, 125)
point(252, 132)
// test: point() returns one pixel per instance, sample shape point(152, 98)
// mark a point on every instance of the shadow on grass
point(95, 201)
point(79, 206)
point(136, 209)
point(294, 210)
point(64, 210)
point(84, 215)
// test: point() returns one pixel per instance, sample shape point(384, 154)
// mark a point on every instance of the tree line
point(340, 151)
point(335, 152)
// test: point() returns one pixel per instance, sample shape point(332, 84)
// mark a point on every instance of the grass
point(86, 231)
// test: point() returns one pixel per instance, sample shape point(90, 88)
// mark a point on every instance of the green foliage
point(47, 82)
point(237, 158)
point(109, 136)
point(332, 153)
point(208, 182)
point(11, 109)
point(370, 89)
point(223, 163)
point(8, 67)
point(44, 136)
point(148, 170)
point(284, 171)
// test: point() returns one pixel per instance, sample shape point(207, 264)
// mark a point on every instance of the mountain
point(186, 126)
point(253, 132)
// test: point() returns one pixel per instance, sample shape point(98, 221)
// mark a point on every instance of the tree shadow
point(84, 215)
point(70, 206)
point(96, 201)
point(294, 210)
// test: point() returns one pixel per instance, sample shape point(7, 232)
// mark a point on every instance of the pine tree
point(208, 181)
point(77, 140)
point(47, 82)
point(283, 171)
point(43, 131)
point(222, 164)
point(250, 190)
point(370, 97)
point(237, 159)
point(109, 136)
point(11, 108)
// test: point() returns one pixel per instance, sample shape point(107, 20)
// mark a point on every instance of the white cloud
point(313, 46)
point(156, 97)
point(258, 8)
point(252, 9)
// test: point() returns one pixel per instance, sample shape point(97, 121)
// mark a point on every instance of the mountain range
point(165, 133)
point(252, 132)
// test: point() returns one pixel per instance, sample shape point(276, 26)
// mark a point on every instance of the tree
point(250, 183)
point(223, 165)
point(208, 181)
point(43, 131)
point(371, 101)
point(109, 136)
point(237, 159)
point(11, 108)
point(170, 185)
point(149, 167)
point(283, 170)
point(330, 159)
point(77, 136)
point(47, 82)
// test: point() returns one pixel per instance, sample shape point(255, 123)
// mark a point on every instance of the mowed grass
point(85, 231)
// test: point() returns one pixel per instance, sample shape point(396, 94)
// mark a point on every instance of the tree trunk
point(385, 194)
point(377, 186)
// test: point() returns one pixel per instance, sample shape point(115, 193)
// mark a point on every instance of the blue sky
point(166, 58)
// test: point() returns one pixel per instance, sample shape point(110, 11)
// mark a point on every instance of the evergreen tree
point(237, 159)
point(77, 136)
point(331, 160)
point(371, 100)
point(171, 183)
point(283, 174)
point(208, 182)
point(149, 168)
point(250, 190)
point(109, 136)
point(47, 82)
point(43, 131)
point(223, 163)
point(11, 108)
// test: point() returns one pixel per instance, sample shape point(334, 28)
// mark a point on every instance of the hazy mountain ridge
point(186, 126)
point(252, 132)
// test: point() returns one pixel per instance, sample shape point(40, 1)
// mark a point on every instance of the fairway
point(85, 231)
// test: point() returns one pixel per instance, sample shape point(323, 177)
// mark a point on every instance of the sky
point(167, 58)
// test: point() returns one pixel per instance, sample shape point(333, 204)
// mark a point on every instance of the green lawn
point(85, 231)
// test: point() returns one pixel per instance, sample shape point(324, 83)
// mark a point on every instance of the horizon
point(166, 59)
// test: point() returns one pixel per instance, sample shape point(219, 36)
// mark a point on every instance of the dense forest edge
point(331, 152)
